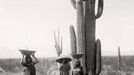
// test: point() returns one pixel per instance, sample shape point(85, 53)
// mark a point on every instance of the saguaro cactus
point(119, 57)
point(58, 43)
point(90, 19)
point(86, 19)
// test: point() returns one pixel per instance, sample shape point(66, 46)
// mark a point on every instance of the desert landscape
point(47, 66)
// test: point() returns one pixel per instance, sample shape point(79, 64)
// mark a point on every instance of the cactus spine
point(86, 43)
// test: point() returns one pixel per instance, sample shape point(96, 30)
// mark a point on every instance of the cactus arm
point(73, 2)
point(80, 26)
point(55, 38)
point(61, 45)
point(100, 9)
point(58, 38)
point(59, 42)
point(98, 57)
point(73, 40)
point(56, 45)
point(56, 41)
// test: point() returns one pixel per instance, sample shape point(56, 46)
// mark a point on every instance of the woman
point(77, 70)
point(27, 61)
point(64, 68)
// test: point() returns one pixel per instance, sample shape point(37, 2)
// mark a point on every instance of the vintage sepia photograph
point(66, 37)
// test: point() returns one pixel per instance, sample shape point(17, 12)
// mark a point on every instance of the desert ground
point(47, 66)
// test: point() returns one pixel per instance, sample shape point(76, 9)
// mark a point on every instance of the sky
point(30, 24)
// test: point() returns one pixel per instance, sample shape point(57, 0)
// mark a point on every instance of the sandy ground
point(10, 73)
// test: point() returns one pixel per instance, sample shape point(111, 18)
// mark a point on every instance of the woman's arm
point(61, 65)
point(23, 61)
point(35, 59)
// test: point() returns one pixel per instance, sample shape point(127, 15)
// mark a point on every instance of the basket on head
point(27, 52)
point(63, 59)
point(77, 56)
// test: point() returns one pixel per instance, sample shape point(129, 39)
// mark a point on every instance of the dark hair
point(28, 59)
point(77, 63)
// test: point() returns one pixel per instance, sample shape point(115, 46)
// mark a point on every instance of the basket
point(77, 56)
point(27, 52)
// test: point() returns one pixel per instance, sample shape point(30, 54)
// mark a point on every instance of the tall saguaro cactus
point(86, 18)
point(58, 43)
point(90, 19)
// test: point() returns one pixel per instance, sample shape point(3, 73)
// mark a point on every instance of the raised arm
point(35, 59)
point(23, 61)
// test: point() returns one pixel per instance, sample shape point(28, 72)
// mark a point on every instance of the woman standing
point(65, 69)
point(64, 65)
point(29, 64)
point(77, 70)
